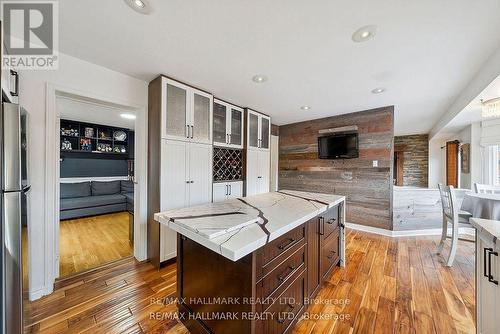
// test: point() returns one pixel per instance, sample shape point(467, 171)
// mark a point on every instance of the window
point(492, 165)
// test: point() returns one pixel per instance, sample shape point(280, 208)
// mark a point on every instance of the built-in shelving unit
point(87, 140)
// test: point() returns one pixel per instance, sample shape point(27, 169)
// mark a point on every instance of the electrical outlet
point(375, 163)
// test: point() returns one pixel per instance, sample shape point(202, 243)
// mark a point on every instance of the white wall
point(437, 157)
point(77, 75)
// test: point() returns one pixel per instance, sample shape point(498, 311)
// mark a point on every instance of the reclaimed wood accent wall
point(415, 151)
point(368, 189)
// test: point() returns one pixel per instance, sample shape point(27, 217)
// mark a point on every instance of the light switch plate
point(375, 163)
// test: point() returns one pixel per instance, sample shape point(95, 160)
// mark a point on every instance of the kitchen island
point(250, 265)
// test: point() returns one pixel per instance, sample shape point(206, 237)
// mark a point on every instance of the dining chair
point(454, 216)
point(486, 189)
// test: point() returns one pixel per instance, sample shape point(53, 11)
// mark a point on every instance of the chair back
point(448, 203)
point(486, 189)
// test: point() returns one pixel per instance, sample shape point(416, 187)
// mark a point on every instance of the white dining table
point(485, 206)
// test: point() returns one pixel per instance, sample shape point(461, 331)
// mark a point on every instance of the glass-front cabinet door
point(236, 136)
point(265, 126)
point(220, 134)
point(253, 130)
point(175, 111)
point(201, 121)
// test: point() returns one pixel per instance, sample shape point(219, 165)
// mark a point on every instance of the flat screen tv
point(338, 146)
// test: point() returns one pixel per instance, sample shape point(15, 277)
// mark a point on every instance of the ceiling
point(472, 112)
point(425, 52)
point(85, 111)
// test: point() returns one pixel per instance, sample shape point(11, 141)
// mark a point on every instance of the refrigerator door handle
point(12, 273)
point(11, 116)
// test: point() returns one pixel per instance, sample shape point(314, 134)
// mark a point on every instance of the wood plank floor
point(90, 242)
point(390, 285)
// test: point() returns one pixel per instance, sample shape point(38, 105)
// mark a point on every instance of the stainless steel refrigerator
point(15, 185)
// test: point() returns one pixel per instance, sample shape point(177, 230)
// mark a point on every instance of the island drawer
point(285, 309)
point(282, 244)
point(281, 276)
point(330, 252)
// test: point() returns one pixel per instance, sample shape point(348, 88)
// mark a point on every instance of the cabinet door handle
point(192, 131)
point(286, 244)
point(191, 181)
point(187, 131)
point(331, 255)
point(490, 275)
point(282, 277)
point(485, 264)
point(16, 85)
point(322, 225)
point(230, 189)
point(229, 141)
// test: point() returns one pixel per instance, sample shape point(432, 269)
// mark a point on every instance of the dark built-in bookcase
point(90, 141)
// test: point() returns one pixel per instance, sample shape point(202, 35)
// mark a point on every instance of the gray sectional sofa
point(95, 198)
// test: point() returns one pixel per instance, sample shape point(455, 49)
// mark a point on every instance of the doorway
point(96, 183)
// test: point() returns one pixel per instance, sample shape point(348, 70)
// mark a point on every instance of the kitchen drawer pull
point(331, 255)
point(282, 277)
point(490, 275)
point(331, 221)
point(286, 244)
point(485, 264)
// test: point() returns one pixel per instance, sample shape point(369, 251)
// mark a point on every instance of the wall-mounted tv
point(338, 146)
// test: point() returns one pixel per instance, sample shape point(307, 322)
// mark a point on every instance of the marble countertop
point(237, 227)
point(489, 229)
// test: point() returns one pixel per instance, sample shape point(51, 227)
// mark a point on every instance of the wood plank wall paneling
point(415, 150)
point(368, 189)
point(275, 130)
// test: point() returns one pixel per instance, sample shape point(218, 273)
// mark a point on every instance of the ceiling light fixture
point(305, 107)
point(259, 78)
point(490, 108)
point(140, 6)
point(378, 90)
point(364, 34)
point(128, 116)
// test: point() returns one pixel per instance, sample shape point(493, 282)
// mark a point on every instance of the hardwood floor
point(392, 285)
point(91, 242)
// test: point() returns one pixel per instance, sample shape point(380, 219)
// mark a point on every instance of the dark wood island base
point(265, 292)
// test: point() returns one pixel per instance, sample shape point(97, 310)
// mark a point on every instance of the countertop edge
point(483, 230)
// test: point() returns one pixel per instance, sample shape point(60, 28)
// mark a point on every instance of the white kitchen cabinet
point(186, 180)
point(488, 290)
point(186, 113)
point(258, 131)
point(226, 190)
point(258, 172)
point(227, 125)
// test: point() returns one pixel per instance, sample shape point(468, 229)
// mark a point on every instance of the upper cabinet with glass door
point(227, 125)
point(258, 130)
point(186, 113)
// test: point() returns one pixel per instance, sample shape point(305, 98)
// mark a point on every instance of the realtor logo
point(31, 34)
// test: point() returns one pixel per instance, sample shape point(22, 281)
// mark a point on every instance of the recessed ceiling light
point(140, 6)
point(139, 3)
point(305, 107)
point(378, 90)
point(128, 116)
point(259, 78)
point(364, 34)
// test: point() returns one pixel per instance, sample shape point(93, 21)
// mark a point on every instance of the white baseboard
point(409, 233)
